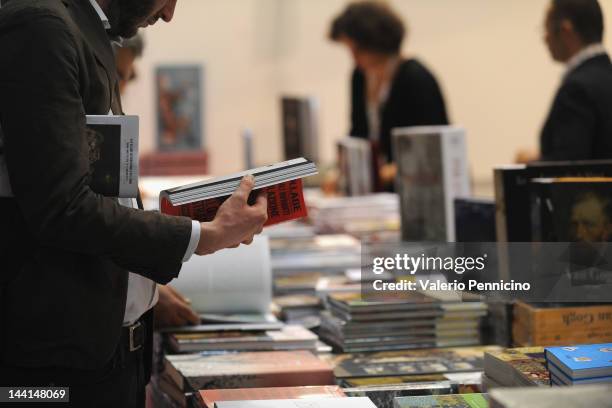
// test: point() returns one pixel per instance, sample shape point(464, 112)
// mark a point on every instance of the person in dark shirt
point(579, 125)
point(387, 89)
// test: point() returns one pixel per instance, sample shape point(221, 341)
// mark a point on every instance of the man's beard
point(127, 15)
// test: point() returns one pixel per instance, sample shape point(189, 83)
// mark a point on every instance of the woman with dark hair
point(388, 90)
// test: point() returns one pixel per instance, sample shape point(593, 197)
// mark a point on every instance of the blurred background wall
point(488, 55)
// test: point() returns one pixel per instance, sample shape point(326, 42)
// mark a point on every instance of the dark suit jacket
point(415, 99)
point(579, 126)
point(64, 250)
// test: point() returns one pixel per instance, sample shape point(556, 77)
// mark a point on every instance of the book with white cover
point(432, 172)
point(235, 280)
point(113, 154)
point(348, 402)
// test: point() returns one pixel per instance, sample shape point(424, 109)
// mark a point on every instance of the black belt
point(133, 337)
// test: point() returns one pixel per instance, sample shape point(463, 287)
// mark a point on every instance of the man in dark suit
point(65, 252)
point(579, 125)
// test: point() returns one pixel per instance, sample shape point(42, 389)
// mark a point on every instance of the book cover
point(113, 155)
point(285, 203)
point(290, 337)
point(383, 396)
point(300, 127)
point(280, 182)
point(210, 397)
point(583, 361)
point(413, 362)
point(584, 396)
point(252, 369)
point(512, 195)
point(446, 401)
point(475, 220)
point(432, 172)
point(348, 402)
point(517, 366)
point(355, 163)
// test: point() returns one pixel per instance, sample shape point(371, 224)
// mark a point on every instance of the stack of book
point(413, 321)
point(373, 216)
point(327, 254)
point(208, 398)
point(454, 401)
point(409, 366)
point(298, 309)
point(193, 372)
point(579, 396)
point(516, 367)
point(544, 324)
point(241, 337)
point(583, 364)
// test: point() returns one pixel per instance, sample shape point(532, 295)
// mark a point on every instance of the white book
point(348, 402)
point(113, 154)
point(432, 172)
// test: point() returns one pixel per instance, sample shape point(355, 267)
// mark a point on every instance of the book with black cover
point(300, 127)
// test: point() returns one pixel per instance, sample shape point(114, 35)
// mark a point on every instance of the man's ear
point(566, 27)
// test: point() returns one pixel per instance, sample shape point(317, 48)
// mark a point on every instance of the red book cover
point(209, 397)
point(285, 203)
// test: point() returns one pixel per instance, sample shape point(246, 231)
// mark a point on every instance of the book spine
point(285, 203)
point(456, 177)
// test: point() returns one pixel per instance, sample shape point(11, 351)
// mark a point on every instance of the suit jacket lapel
point(95, 35)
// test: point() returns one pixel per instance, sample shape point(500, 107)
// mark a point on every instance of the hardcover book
point(583, 362)
point(210, 397)
point(252, 369)
point(432, 172)
point(348, 402)
point(579, 396)
point(446, 401)
point(413, 362)
point(300, 127)
point(113, 155)
point(513, 367)
point(281, 183)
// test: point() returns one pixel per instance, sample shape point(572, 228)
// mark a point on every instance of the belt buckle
point(132, 328)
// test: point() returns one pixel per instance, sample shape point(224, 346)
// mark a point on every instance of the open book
point(280, 182)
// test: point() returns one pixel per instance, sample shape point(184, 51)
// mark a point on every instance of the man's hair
point(134, 44)
point(585, 15)
point(372, 25)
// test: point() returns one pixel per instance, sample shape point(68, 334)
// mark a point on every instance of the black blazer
point(579, 125)
point(64, 250)
point(415, 99)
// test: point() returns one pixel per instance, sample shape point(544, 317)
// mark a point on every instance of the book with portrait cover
point(280, 182)
point(113, 154)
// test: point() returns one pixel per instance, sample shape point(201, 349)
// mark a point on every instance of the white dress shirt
point(588, 52)
point(142, 292)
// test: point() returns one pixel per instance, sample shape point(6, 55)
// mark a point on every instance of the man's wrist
point(209, 238)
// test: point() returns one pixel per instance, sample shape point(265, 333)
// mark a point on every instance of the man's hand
point(236, 221)
point(172, 309)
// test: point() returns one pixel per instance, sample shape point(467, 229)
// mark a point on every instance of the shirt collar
point(101, 14)
point(583, 55)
